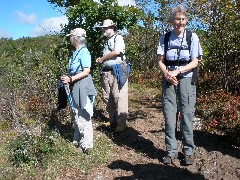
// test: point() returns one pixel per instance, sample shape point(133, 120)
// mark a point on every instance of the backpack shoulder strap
point(166, 39)
point(114, 42)
point(189, 38)
point(115, 39)
point(121, 54)
point(80, 61)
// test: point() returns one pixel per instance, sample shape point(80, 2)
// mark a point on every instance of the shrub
point(220, 110)
point(30, 149)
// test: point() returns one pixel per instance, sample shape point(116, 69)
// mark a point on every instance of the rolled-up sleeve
point(119, 44)
point(196, 49)
point(160, 49)
point(85, 58)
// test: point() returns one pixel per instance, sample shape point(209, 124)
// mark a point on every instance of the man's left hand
point(99, 60)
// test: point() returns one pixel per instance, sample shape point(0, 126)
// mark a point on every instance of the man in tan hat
point(114, 97)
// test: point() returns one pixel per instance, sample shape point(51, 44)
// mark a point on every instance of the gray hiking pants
point(183, 98)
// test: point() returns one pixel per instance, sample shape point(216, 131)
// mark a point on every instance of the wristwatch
point(179, 70)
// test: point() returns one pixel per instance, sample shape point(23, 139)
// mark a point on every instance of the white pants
point(83, 130)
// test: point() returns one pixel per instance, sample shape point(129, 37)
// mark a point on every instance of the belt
point(105, 69)
point(176, 63)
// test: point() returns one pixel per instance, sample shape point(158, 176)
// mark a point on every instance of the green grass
point(62, 159)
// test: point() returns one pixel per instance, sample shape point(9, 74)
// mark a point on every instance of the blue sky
point(31, 18)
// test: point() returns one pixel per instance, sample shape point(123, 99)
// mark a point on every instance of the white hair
point(178, 9)
point(81, 40)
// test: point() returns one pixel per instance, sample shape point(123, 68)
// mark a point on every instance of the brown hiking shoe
point(120, 128)
point(169, 159)
point(188, 159)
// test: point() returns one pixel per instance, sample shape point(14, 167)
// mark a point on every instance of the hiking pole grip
point(69, 96)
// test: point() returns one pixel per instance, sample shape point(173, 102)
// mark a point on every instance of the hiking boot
point(188, 159)
point(106, 124)
point(83, 150)
point(75, 143)
point(168, 159)
point(87, 151)
point(120, 128)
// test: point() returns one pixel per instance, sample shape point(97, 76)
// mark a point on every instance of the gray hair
point(178, 9)
point(81, 40)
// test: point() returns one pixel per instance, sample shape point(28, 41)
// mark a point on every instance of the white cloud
point(25, 19)
point(126, 2)
point(50, 26)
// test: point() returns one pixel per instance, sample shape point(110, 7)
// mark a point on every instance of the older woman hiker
point(83, 90)
point(178, 53)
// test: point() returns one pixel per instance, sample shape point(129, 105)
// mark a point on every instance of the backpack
point(121, 71)
point(188, 39)
point(166, 40)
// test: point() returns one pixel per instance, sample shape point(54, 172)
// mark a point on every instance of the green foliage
point(141, 47)
point(220, 20)
point(31, 149)
point(48, 155)
point(29, 69)
point(87, 13)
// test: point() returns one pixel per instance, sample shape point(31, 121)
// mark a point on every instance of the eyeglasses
point(180, 19)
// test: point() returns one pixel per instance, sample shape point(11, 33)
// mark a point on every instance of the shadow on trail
point(56, 122)
point(215, 142)
point(153, 171)
point(132, 139)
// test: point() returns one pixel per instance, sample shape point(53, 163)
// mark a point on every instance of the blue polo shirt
point(185, 54)
point(80, 59)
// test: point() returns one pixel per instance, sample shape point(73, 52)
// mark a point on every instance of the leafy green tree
point(143, 39)
point(88, 13)
point(220, 20)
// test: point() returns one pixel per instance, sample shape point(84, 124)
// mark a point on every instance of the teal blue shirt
point(80, 59)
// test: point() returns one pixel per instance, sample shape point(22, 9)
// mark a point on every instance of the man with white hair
point(114, 96)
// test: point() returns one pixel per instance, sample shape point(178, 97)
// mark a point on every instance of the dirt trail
point(141, 147)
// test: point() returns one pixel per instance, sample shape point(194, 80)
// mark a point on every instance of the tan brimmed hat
point(107, 23)
point(78, 32)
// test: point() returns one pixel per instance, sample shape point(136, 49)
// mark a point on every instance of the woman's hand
point(171, 77)
point(65, 79)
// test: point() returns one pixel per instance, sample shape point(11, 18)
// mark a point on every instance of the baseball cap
point(78, 32)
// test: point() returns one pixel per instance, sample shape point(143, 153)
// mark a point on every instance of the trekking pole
point(69, 96)
point(73, 110)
